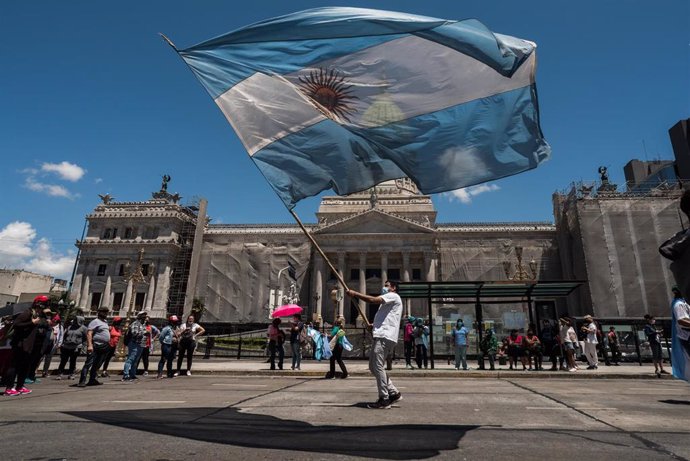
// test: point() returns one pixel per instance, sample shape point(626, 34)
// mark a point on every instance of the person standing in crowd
point(533, 348)
point(385, 330)
point(296, 328)
point(680, 336)
point(408, 341)
point(569, 342)
point(169, 341)
point(516, 350)
point(135, 338)
point(115, 334)
point(150, 342)
point(75, 337)
point(614, 345)
point(57, 333)
point(459, 335)
point(421, 341)
point(22, 343)
point(488, 346)
point(41, 338)
point(189, 331)
point(547, 336)
point(653, 337)
point(274, 345)
point(591, 341)
point(337, 335)
point(97, 346)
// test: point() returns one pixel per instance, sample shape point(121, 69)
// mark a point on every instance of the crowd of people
point(38, 334)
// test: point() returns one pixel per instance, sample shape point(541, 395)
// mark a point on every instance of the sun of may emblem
point(330, 90)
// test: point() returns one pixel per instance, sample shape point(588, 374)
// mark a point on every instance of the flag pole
point(328, 261)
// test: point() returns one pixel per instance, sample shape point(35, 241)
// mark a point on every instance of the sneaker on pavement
point(59, 378)
point(81, 384)
point(380, 404)
point(146, 373)
point(11, 392)
point(189, 372)
point(573, 369)
point(24, 390)
point(104, 374)
point(95, 382)
point(394, 397)
point(176, 374)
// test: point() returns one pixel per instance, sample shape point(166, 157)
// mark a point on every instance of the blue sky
point(93, 101)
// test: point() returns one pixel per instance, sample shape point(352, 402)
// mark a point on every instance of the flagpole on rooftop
point(328, 261)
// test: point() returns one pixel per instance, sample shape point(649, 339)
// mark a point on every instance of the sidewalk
point(312, 368)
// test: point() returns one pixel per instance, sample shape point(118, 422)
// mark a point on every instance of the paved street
point(297, 418)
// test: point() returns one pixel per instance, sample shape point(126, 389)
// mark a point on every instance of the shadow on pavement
point(229, 426)
point(675, 402)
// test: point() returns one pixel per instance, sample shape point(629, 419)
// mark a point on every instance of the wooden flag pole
point(328, 261)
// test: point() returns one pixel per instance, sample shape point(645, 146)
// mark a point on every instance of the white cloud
point(67, 171)
point(20, 250)
point(466, 193)
point(54, 190)
point(98, 180)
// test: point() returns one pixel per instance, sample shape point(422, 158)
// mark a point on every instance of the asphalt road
point(288, 418)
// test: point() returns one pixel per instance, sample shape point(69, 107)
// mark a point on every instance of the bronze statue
point(166, 180)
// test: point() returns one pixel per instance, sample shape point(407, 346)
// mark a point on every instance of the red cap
point(173, 319)
point(117, 319)
point(41, 299)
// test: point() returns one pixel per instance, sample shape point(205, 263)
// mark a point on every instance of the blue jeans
point(461, 356)
point(133, 356)
point(167, 357)
point(296, 354)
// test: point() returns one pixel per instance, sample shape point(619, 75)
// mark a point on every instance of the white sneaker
point(189, 373)
point(573, 369)
point(176, 374)
point(146, 373)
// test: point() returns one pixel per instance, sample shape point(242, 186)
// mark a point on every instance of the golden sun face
point(330, 91)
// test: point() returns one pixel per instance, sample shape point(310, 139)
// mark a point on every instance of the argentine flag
point(346, 98)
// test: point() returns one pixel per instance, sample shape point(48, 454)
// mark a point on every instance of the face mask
point(384, 290)
point(653, 322)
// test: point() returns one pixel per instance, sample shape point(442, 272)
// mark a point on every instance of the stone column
point(149, 296)
point(406, 276)
point(128, 298)
point(341, 271)
point(384, 266)
point(84, 299)
point(75, 293)
point(106, 300)
point(160, 301)
point(363, 280)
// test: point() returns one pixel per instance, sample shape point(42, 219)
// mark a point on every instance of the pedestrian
point(115, 335)
point(274, 334)
point(680, 336)
point(591, 341)
point(569, 342)
point(547, 336)
point(385, 330)
point(57, 333)
point(653, 337)
point(488, 346)
point(614, 345)
point(408, 341)
point(22, 342)
point(516, 350)
point(169, 340)
point(337, 336)
point(151, 338)
point(74, 339)
point(533, 348)
point(97, 346)
point(421, 341)
point(135, 340)
point(42, 334)
point(188, 333)
point(296, 340)
point(459, 335)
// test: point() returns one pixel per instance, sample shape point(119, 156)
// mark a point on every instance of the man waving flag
point(346, 98)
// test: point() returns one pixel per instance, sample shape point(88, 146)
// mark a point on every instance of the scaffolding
point(180, 268)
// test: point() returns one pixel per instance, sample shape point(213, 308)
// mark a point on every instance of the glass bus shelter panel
point(444, 322)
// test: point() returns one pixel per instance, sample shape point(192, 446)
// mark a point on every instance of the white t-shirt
point(681, 310)
point(592, 333)
point(387, 318)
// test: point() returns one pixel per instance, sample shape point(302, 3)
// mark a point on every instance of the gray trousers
point(461, 357)
point(380, 349)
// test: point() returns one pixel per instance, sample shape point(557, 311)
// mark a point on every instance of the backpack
point(302, 335)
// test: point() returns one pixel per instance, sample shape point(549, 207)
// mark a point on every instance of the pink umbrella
point(286, 310)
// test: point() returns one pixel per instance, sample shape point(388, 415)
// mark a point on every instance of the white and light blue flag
point(346, 98)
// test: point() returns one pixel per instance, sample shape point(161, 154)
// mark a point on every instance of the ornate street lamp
point(521, 273)
point(136, 276)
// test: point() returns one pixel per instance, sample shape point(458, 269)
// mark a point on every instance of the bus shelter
point(479, 293)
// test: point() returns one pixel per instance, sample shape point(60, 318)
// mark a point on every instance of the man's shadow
point(229, 426)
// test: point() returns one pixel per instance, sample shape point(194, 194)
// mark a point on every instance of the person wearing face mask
point(459, 334)
point(612, 338)
point(653, 337)
point(97, 346)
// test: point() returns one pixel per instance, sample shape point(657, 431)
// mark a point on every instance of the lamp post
point(135, 276)
point(521, 275)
